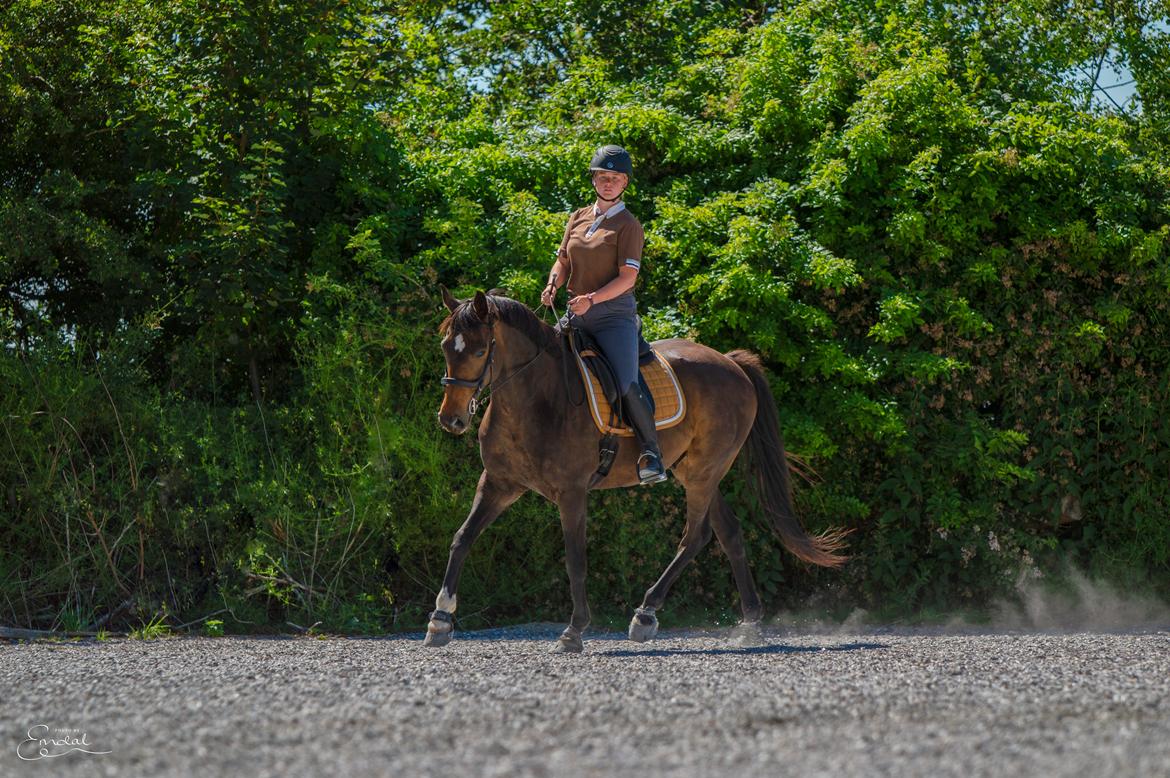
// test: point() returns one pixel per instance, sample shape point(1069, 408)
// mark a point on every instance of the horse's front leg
point(573, 516)
point(492, 497)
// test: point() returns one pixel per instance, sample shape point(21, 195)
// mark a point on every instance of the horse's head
point(468, 347)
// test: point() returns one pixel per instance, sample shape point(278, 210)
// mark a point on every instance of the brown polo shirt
point(595, 257)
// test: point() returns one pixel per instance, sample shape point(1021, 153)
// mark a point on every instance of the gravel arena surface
point(691, 703)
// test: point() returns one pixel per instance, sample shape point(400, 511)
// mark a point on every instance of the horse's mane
point(511, 312)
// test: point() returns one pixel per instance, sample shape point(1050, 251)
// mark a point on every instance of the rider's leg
point(614, 325)
point(637, 409)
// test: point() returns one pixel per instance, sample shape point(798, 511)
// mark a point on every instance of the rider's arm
point(558, 275)
point(616, 288)
point(560, 271)
point(629, 259)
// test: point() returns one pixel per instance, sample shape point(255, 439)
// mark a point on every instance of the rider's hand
point(580, 304)
point(548, 295)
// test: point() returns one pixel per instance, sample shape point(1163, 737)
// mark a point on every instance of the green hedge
point(221, 344)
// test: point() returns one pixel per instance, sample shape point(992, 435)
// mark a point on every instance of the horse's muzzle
point(455, 424)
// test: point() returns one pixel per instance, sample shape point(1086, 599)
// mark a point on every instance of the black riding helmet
point(612, 158)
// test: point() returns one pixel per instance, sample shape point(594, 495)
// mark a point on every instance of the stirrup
point(652, 472)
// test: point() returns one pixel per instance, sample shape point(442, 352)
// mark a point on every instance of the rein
point(565, 362)
point(565, 372)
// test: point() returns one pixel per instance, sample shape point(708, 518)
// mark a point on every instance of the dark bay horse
point(532, 437)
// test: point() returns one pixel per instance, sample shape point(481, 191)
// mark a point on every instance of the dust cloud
point(1083, 605)
point(1039, 604)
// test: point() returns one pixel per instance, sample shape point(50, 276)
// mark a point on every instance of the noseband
point(478, 384)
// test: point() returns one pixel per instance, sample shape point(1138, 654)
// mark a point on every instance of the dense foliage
point(222, 227)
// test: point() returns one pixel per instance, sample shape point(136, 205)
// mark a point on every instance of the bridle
point(479, 384)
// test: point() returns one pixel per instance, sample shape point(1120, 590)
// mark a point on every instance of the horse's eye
point(480, 353)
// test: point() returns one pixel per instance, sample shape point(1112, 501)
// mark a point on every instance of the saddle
point(656, 376)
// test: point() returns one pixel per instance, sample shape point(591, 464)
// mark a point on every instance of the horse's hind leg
point(696, 535)
point(491, 498)
point(727, 530)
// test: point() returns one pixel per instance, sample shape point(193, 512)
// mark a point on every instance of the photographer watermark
point(47, 743)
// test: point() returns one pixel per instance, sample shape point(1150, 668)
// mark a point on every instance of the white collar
point(613, 211)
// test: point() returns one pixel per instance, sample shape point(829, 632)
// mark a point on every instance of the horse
point(533, 438)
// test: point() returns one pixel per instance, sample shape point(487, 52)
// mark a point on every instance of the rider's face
point(609, 185)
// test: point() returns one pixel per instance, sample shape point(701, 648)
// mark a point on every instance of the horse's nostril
point(452, 423)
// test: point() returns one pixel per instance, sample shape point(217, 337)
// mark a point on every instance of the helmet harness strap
point(614, 200)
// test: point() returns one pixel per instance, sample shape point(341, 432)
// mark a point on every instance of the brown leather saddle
point(657, 377)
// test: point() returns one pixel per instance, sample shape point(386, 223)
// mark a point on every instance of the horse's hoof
point(568, 643)
point(644, 625)
point(437, 638)
point(439, 630)
point(747, 634)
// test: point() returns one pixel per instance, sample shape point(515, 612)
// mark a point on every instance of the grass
point(152, 630)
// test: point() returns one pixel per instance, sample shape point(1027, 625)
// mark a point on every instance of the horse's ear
point(480, 306)
point(449, 299)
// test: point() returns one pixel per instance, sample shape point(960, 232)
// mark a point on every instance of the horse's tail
point(770, 466)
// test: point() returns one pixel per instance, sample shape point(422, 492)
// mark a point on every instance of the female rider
point(599, 259)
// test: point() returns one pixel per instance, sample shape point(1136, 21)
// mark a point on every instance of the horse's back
point(680, 352)
point(721, 406)
point(706, 374)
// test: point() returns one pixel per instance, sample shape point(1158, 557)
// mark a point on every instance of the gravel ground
point(496, 703)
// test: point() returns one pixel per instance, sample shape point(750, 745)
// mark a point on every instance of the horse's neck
point(542, 380)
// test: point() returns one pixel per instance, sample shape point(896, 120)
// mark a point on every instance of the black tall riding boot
point(637, 410)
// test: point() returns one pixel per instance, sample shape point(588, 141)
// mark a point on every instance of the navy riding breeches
point(614, 325)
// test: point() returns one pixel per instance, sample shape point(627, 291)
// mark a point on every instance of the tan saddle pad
point(669, 403)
